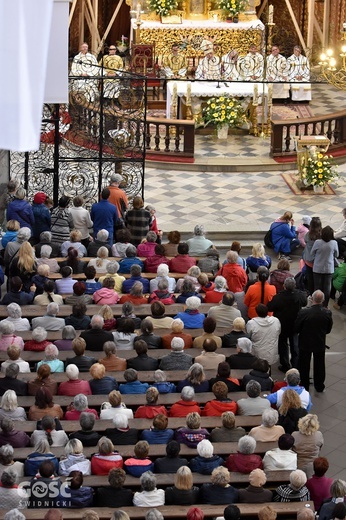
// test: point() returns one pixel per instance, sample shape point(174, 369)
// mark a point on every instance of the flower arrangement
point(163, 7)
point(233, 7)
point(319, 170)
point(223, 110)
point(122, 45)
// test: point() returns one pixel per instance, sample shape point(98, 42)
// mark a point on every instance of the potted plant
point(232, 8)
point(223, 112)
point(319, 170)
point(163, 7)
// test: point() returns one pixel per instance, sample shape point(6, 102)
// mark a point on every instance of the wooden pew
point(149, 276)
point(131, 400)
point(53, 335)
point(285, 510)
point(33, 311)
point(144, 424)
point(125, 354)
point(159, 450)
point(143, 376)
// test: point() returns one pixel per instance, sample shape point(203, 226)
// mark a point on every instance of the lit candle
point(344, 26)
point(215, 17)
point(138, 11)
point(255, 95)
point(271, 13)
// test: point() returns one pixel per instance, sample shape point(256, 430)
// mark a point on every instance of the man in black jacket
point(142, 361)
point(10, 381)
point(285, 307)
point(313, 324)
point(96, 337)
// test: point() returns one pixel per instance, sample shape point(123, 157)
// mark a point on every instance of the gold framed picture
point(172, 19)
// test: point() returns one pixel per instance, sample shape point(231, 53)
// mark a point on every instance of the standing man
point(277, 73)
point(298, 69)
point(104, 215)
point(285, 305)
point(85, 64)
point(313, 324)
point(252, 65)
point(117, 196)
point(111, 66)
point(175, 64)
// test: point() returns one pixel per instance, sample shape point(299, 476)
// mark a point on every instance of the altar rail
point(178, 138)
point(284, 131)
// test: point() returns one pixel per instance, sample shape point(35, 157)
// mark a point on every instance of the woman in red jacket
point(245, 460)
point(186, 405)
point(151, 409)
point(106, 458)
point(260, 292)
point(221, 403)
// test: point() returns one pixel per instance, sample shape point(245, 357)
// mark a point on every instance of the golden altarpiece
point(193, 22)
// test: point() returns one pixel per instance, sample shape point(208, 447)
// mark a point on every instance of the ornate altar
point(190, 34)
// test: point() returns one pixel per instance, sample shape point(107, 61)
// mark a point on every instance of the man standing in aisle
point(117, 196)
point(313, 324)
point(104, 215)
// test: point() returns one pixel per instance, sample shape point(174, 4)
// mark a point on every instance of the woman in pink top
point(80, 404)
point(74, 385)
point(106, 295)
point(7, 336)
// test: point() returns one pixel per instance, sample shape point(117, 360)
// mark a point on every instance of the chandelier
point(332, 72)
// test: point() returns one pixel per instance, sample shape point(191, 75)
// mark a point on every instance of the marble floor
point(238, 201)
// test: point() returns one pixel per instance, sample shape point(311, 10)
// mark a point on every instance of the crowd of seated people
point(117, 275)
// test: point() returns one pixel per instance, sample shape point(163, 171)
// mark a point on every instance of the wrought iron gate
point(102, 131)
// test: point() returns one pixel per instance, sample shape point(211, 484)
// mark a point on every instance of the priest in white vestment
point(298, 69)
point(229, 66)
point(252, 65)
point(277, 72)
point(209, 67)
point(85, 64)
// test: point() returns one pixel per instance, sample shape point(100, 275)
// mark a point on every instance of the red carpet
point(168, 158)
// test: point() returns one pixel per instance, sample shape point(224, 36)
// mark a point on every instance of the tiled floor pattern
point(248, 201)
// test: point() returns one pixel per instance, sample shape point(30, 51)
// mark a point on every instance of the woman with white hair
point(45, 259)
point(74, 385)
point(186, 404)
point(7, 462)
point(162, 272)
point(255, 493)
point(245, 460)
point(220, 287)
point(80, 405)
point(9, 407)
point(206, 461)
point(8, 337)
point(14, 353)
point(147, 247)
point(243, 359)
point(269, 431)
point(219, 491)
point(74, 460)
point(198, 244)
point(51, 358)
point(68, 334)
point(338, 493)
point(75, 242)
point(295, 491)
point(177, 328)
point(183, 492)
point(192, 275)
point(191, 317)
point(14, 312)
point(150, 496)
point(38, 341)
point(41, 452)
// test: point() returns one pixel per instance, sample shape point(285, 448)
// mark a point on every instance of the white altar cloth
point(203, 89)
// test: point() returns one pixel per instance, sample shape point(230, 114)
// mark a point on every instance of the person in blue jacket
point(284, 235)
point(20, 209)
point(191, 317)
point(41, 215)
point(104, 215)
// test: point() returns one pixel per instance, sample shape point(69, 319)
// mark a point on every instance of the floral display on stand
point(223, 110)
point(319, 170)
point(232, 8)
point(122, 45)
point(163, 7)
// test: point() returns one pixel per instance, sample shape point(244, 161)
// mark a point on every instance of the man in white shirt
point(277, 72)
point(252, 65)
point(229, 66)
point(298, 70)
point(209, 67)
point(85, 64)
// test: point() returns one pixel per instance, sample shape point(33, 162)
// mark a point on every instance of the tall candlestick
point(255, 95)
point(271, 14)
point(138, 11)
point(270, 93)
